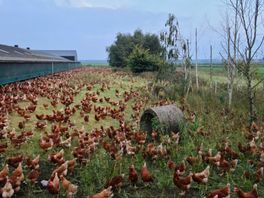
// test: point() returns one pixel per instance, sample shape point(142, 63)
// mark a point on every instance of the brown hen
point(133, 176)
point(252, 194)
point(145, 174)
point(106, 193)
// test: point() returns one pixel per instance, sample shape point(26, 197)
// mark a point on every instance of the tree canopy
point(120, 50)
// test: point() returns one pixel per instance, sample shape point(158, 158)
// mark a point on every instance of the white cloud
point(113, 4)
point(74, 3)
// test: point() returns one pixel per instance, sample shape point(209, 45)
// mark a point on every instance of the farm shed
point(68, 54)
point(18, 64)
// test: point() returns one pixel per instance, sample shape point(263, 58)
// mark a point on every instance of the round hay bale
point(169, 116)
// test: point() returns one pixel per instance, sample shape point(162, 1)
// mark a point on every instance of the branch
point(260, 81)
point(256, 14)
point(257, 49)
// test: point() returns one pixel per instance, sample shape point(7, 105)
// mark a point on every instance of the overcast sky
point(89, 26)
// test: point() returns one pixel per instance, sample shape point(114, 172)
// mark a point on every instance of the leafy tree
point(171, 39)
point(141, 60)
point(152, 42)
point(138, 38)
point(175, 48)
point(120, 50)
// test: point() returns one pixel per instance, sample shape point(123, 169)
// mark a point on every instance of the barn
point(68, 54)
point(18, 64)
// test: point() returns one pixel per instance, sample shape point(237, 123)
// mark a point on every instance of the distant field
point(95, 62)
point(219, 73)
point(218, 70)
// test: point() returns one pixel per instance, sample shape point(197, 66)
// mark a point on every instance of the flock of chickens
point(58, 132)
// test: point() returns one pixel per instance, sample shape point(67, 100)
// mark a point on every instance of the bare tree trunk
point(232, 39)
point(250, 100)
point(215, 87)
point(188, 88)
point(189, 76)
point(263, 88)
point(229, 69)
point(185, 70)
point(196, 58)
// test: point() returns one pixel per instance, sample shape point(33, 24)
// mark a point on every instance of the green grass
point(208, 106)
point(219, 70)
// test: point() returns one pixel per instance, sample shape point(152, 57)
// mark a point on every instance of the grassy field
point(219, 71)
point(207, 122)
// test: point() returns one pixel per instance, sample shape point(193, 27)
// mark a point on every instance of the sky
point(89, 26)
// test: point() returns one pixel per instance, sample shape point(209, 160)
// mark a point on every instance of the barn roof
point(16, 54)
point(58, 52)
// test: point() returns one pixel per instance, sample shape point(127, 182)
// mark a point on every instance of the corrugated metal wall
point(12, 72)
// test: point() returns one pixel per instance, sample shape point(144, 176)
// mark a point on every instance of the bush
point(140, 60)
point(166, 72)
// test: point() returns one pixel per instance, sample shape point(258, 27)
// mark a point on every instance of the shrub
point(140, 60)
point(166, 71)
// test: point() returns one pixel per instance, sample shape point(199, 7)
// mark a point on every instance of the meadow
point(219, 72)
point(70, 133)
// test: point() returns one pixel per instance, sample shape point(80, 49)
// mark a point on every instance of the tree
point(170, 39)
point(119, 52)
point(175, 47)
point(230, 46)
point(251, 40)
point(140, 60)
point(152, 43)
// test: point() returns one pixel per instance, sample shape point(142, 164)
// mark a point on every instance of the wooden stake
point(196, 57)
point(211, 64)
